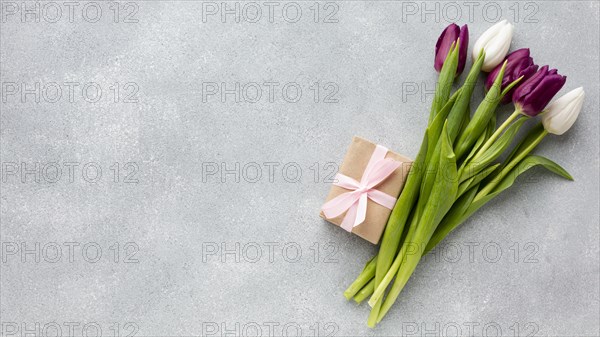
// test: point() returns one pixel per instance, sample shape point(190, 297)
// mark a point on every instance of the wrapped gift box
point(360, 153)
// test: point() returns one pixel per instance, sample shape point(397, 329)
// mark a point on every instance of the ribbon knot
point(354, 202)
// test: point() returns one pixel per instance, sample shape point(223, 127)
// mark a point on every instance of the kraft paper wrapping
point(354, 164)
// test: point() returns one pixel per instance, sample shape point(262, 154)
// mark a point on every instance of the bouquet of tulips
point(456, 171)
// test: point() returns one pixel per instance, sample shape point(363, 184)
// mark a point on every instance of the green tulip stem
point(497, 134)
point(365, 292)
point(365, 277)
point(382, 286)
point(492, 184)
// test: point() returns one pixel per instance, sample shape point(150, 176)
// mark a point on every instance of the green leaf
point(466, 185)
point(522, 167)
point(435, 127)
point(552, 167)
point(430, 174)
point(448, 181)
point(460, 108)
point(511, 85)
point(445, 80)
point(478, 144)
point(491, 127)
point(465, 121)
point(498, 147)
point(529, 139)
point(481, 118)
point(433, 154)
point(481, 161)
point(452, 219)
point(528, 163)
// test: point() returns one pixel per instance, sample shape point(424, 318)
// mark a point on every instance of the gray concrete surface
point(200, 223)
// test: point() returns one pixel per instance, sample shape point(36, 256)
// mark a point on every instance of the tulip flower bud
point(519, 63)
point(444, 42)
point(495, 43)
point(562, 113)
point(532, 96)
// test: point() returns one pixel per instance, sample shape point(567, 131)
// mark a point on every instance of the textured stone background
point(199, 213)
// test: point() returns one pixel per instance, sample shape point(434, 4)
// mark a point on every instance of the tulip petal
point(563, 112)
point(485, 38)
point(444, 42)
point(497, 48)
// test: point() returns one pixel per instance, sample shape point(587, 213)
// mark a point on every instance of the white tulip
point(562, 113)
point(495, 42)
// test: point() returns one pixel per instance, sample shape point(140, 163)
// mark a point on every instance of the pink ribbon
point(355, 201)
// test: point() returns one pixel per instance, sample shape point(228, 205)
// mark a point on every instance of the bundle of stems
point(454, 174)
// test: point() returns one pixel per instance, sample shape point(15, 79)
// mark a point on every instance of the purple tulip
point(533, 95)
point(444, 42)
point(519, 64)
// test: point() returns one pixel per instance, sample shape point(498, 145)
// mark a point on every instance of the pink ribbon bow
point(355, 201)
